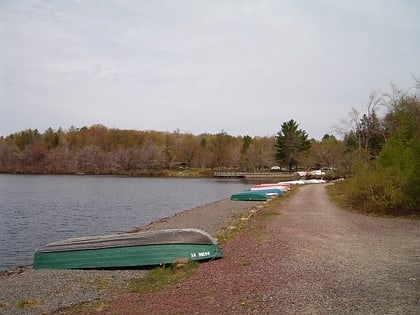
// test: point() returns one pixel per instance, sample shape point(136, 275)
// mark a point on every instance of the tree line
point(101, 150)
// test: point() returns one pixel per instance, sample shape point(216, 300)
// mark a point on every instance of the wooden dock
point(283, 176)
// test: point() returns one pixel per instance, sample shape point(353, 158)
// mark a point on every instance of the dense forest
point(100, 150)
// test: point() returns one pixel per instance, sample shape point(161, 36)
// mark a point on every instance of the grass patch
point(232, 231)
point(336, 192)
point(260, 214)
point(82, 308)
point(103, 284)
point(161, 277)
point(245, 263)
point(28, 303)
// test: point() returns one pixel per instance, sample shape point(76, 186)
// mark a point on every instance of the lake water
point(39, 209)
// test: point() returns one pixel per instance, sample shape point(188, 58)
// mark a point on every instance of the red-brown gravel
point(312, 258)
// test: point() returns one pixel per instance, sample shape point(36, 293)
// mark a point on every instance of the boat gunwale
point(142, 238)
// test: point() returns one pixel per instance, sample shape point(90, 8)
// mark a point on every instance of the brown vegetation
point(100, 150)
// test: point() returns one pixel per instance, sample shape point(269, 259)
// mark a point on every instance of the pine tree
point(291, 143)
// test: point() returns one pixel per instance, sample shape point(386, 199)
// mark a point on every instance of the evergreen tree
point(291, 143)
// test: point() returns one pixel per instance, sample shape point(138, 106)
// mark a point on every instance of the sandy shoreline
point(29, 291)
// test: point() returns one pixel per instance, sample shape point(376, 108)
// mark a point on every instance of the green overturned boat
point(249, 196)
point(146, 248)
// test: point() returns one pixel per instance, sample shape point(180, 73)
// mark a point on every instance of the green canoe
point(128, 250)
point(249, 196)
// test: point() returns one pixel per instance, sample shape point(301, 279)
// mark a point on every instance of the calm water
point(36, 210)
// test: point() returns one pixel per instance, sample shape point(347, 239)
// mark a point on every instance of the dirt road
point(311, 258)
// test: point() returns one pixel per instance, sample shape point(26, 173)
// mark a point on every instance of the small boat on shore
point(146, 248)
point(282, 186)
point(250, 196)
point(282, 189)
point(306, 181)
point(269, 191)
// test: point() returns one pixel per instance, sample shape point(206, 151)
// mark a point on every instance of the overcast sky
point(201, 66)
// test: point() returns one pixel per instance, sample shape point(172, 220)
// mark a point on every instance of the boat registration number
point(200, 254)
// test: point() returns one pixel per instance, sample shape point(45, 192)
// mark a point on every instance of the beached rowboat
point(282, 189)
point(145, 248)
point(282, 186)
point(268, 191)
point(250, 196)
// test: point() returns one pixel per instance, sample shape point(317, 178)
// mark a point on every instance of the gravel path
point(28, 291)
point(312, 258)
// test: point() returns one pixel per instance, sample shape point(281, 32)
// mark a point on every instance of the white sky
point(200, 66)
